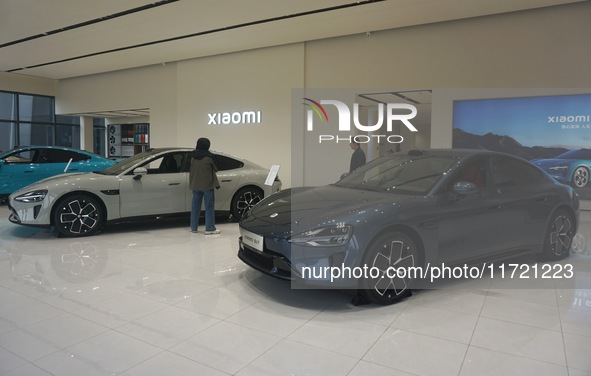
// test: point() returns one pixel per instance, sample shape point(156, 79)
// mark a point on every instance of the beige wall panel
point(27, 84)
point(259, 80)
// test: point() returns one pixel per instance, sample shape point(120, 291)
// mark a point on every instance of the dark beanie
point(203, 144)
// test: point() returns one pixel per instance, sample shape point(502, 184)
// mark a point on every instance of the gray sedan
point(153, 183)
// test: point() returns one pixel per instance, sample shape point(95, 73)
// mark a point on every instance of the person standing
point(202, 181)
point(358, 157)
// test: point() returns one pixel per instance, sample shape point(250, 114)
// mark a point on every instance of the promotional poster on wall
point(553, 132)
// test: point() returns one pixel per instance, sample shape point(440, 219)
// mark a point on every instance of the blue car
point(25, 165)
point(571, 167)
point(381, 229)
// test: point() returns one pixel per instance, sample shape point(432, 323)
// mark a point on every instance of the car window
point(511, 172)
point(167, 164)
point(226, 163)
point(473, 172)
point(23, 156)
point(60, 156)
point(400, 174)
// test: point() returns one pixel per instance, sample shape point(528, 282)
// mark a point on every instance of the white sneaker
point(214, 232)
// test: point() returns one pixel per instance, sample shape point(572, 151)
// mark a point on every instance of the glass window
point(167, 164)
point(67, 135)
point(23, 156)
point(60, 156)
point(511, 172)
point(7, 106)
point(35, 108)
point(7, 136)
point(226, 163)
point(35, 134)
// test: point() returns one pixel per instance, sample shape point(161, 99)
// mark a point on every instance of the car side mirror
point(464, 188)
point(139, 172)
point(344, 175)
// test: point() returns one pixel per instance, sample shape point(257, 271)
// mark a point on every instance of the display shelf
point(126, 140)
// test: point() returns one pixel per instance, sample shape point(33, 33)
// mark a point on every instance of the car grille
point(268, 262)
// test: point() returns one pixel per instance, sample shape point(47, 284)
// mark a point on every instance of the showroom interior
point(148, 298)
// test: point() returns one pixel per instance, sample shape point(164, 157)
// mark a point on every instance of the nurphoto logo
point(388, 114)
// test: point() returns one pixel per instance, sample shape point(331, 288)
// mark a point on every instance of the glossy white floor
point(158, 300)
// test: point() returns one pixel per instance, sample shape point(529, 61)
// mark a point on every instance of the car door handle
point(174, 183)
point(542, 199)
point(28, 172)
point(226, 180)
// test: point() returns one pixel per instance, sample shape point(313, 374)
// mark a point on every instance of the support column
point(86, 133)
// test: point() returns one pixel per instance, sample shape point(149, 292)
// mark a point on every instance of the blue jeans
point(198, 196)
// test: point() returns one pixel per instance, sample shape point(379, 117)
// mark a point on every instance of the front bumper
point(305, 267)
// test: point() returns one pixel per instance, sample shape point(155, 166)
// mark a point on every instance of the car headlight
point(557, 167)
point(330, 236)
point(33, 196)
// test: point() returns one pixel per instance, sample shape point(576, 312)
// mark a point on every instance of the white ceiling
point(68, 38)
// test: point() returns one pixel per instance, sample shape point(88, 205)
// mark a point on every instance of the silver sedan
point(153, 183)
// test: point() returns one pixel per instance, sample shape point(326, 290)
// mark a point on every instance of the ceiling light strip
point(90, 22)
point(259, 22)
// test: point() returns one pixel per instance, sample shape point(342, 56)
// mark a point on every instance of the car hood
point(307, 207)
point(72, 178)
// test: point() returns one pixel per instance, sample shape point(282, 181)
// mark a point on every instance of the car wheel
point(559, 236)
point(387, 253)
point(580, 177)
point(245, 199)
point(78, 215)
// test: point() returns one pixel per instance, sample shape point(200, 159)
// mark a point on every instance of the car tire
point(390, 250)
point(559, 236)
point(244, 200)
point(78, 215)
point(580, 177)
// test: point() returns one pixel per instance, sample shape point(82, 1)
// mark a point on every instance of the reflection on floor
point(156, 300)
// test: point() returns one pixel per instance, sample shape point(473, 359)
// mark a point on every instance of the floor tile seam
point(372, 346)
point(382, 365)
point(169, 351)
point(70, 352)
point(301, 342)
point(50, 344)
point(474, 330)
point(563, 334)
point(518, 356)
point(429, 335)
point(118, 330)
point(296, 341)
point(521, 323)
point(67, 350)
point(433, 306)
point(566, 358)
point(278, 338)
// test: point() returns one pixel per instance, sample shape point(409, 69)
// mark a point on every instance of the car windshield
point(128, 163)
point(403, 174)
point(576, 154)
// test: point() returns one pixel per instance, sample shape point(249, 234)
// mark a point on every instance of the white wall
point(259, 80)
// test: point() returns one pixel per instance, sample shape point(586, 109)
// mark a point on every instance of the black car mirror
point(139, 172)
point(464, 188)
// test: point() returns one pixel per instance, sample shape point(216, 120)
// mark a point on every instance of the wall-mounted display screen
point(554, 132)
